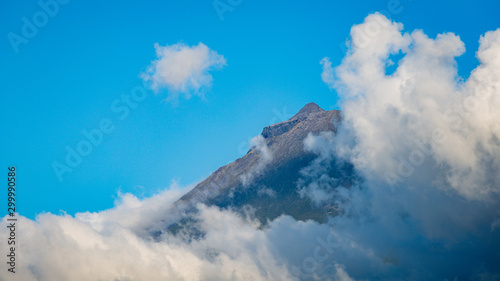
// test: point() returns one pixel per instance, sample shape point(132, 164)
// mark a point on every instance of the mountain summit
point(307, 109)
point(266, 178)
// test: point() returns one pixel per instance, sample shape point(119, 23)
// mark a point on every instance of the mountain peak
point(312, 106)
point(282, 127)
point(278, 174)
point(307, 109)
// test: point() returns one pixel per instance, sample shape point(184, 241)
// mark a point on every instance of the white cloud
point(183, 69)
point(112, 245)
point(341, 274)
point(264, 191)
point(263, 156)
point(315, 181)
point(426, 144)
point(327, 75)
point(423, 101)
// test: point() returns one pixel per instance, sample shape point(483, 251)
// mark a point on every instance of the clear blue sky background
point(66, 77)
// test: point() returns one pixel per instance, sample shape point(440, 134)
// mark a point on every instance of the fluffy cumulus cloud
point(112, 245)
point(183, 69)
point(424, 204)
point(120, 244)
point(425, 143)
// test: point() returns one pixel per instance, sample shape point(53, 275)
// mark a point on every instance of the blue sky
point(65, 79)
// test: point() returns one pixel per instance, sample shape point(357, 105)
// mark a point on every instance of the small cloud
point(341, 274)
point(327, 74)
point(265, 156)
point(183, 69)
point(264, 191)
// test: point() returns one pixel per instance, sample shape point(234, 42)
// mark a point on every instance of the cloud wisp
point(264, 158)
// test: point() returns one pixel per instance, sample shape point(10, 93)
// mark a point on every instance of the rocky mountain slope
point(264, 181)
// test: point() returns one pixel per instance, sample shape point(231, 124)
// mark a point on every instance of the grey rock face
point(272, 191)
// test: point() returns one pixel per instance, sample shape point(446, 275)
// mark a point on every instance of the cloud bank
point(183, 69)
point(113, 245)
point(426, 144)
